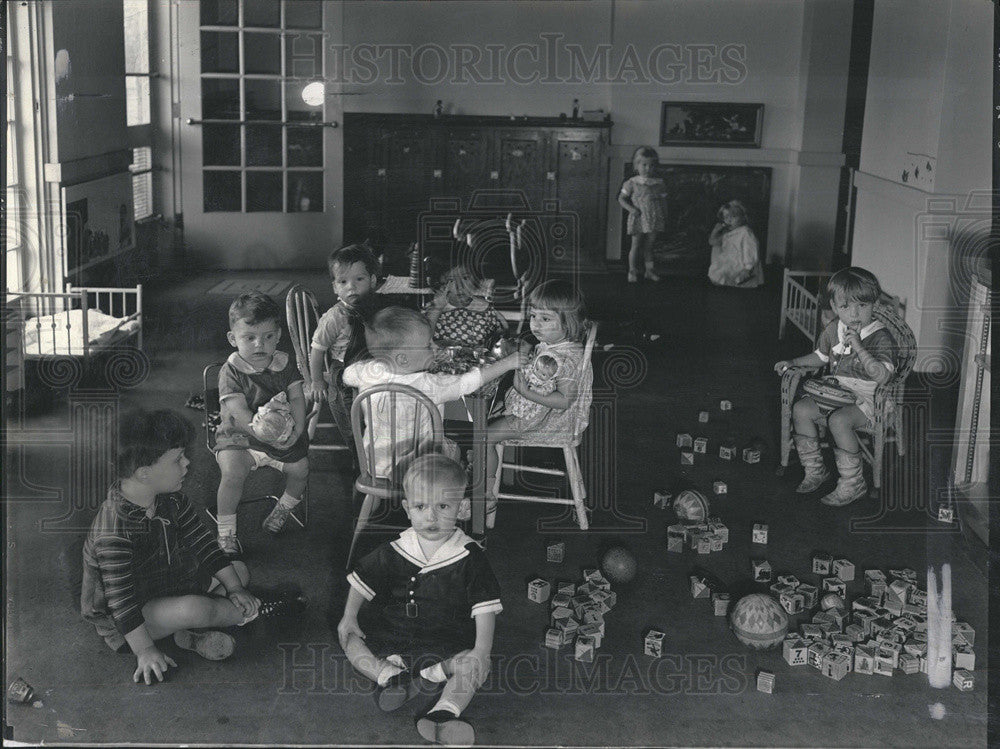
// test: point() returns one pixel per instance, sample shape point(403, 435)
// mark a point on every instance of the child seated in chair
point(400, 341)
point(436, 598)
point(860, 353)
point(151, 567)
point(340, 333)
point(258, 375)
point(460, 313)
point(533, 407)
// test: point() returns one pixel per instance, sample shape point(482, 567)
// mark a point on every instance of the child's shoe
point(442, 727)
point(650, 273)
point(275, 521)
point(290, 604)
point(851, 485)
point(214, 646)
point(633, 277)
point(812, 463)
point(400, 689)
point(230, 545)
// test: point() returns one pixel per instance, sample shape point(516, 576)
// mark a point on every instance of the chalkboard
point(694, 195)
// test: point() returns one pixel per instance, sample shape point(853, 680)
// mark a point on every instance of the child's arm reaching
point(503, 366)
point(809, 360)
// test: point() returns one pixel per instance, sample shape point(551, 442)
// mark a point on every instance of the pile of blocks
point(704, 587)
point(885, 630)
point(702, 537)
point(577, 612)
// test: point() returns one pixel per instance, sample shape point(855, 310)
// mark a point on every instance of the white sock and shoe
point(277, 518)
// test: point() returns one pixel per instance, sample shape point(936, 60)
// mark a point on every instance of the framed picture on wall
point(99, 220)
point(687, 123)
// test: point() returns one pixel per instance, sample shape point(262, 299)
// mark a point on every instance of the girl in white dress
point(735, 252)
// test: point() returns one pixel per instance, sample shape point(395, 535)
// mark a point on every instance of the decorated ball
point(759, 621)
point(272, 427)
point(831, 601)
point(619, 565)
point(691, 506)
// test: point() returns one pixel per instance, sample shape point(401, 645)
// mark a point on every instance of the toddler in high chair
point(461, 314)
point(548, 398)
point(860, 353)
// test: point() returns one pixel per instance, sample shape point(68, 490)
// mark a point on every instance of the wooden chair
point(403, 411)
point(302, 315)
point(568, 442)
point(213, 409)
point(887, 426)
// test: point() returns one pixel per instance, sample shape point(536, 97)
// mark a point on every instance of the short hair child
point(735, 257)
point(339, 338)
point(400, 341)
point(440, 631)
point(138, 582)
point(258, 376)
point(644, 196)
point(562, 297)
point(460, 312)
point(860, 353)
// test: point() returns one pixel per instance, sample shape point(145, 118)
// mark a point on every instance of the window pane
point(303, 55)
point(303, 14)
point(11, 148)
point(264, 191)
point(219, 12)
point(220, 52)
point(220, 98)
point(12, 217)
point(136, 36)
point(220, 145)
point(142, 159)
point(13, 281)
point(305, 192)
point(262, 53)
point(136, 100)
point(263, 145)
point(263, 99)
point(262, 13)
point(305, 146)
point(142, 195)
point(222, 191)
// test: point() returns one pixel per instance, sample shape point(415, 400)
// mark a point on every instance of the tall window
point(13, 205)
point(262, 131)
point(137, 103)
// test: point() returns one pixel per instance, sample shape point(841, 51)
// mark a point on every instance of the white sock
point(287, 501)
point(227, 524)
point(434, 673)
point(448, 707)
point(390, 669)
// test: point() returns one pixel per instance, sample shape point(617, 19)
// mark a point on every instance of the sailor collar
point(408, 546)
point(278, 362)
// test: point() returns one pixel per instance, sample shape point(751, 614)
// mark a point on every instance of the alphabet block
point(821, 564)
point(538, 591)
point(687, 458)
point(843, 569)
point(703, 417)
point(727, 451)
point(725, 405)
point(555, 552)
point(765, 682)
point(654, 643)
point(684, 440)
point(795, 652)
point(760, 533)
point(719, 487)
point(761, 570)
point(963, 680)
point(701, 445)
point(750, 455)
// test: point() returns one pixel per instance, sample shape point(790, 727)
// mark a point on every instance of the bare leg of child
point(366, 663)
point(235, 466)
point(634, 257)
point(842, 423)
point(296, 477)
point(648, 241)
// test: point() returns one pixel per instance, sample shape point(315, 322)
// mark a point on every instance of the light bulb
point(313, 93)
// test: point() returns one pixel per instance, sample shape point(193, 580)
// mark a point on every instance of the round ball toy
point(831, 601)
point(272, 426)
point(691, 506)
point(759, 621)
point(619, 565)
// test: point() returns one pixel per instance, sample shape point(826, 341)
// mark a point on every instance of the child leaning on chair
point(860, 353)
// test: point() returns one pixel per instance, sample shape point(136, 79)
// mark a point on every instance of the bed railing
point(801, 291)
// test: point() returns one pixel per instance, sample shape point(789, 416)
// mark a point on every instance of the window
point(13, 206)
point(137, 103)
point(262, 132)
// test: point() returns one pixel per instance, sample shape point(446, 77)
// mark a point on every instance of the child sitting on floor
point(400, 341)
point(861, 354)
point(437, 599)
point(460, 313)
point(340, 333)
point(251, 377)
point(735, 250)
point(151, 567)
point(557, 320)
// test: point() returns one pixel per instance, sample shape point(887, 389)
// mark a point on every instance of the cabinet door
point(408, 175)
point(581, 186)
point(465, 163)
point(363, 187)
point(520, 163)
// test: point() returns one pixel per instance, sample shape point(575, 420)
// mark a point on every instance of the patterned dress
point(649, 195)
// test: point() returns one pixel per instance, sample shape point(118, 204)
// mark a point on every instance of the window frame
point(140, 135)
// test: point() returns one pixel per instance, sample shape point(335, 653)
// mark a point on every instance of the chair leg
point(576, 486)
point(878, 449)
point(359, 526)
point(898, 427)
point(491, 517)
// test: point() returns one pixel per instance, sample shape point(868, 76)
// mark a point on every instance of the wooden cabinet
point(395, 165)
